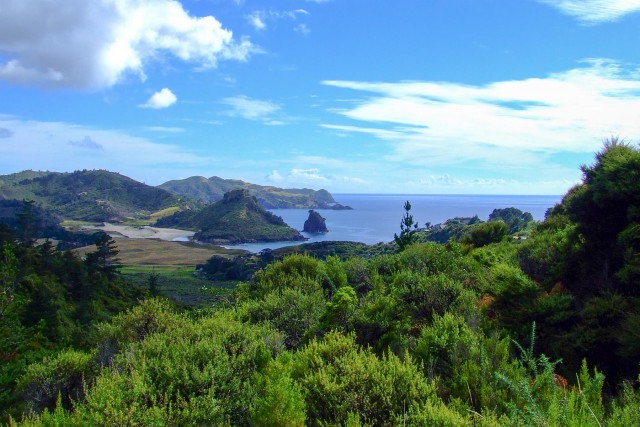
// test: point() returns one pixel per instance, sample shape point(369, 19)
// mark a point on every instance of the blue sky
point(361, 96)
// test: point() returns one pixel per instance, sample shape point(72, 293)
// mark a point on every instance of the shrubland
point(485, 330)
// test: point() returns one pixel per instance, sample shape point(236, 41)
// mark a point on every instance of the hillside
point(88, 195)
point(237, 218)
point(209, 190)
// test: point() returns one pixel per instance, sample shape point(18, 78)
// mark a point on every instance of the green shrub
point(290, 311)
point(64, 376)
point(338, 379)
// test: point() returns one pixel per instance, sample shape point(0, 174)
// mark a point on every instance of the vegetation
point(236, 218)
point(485, 330)
point(407, 229)
point(212, 189)
point(51, 300)
point(88, 195)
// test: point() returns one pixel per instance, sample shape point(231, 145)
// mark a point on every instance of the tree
point(513, 217)
point(8, 274)
point(26, 223)
point(104, 258)
point(407, 229)
point(485, 233)
point(152, 282)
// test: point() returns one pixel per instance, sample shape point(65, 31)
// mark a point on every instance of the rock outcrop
point(315, 223)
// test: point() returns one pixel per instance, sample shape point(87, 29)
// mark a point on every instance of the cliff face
point(315, 223)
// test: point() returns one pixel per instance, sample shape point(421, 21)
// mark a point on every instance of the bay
point(376, 217)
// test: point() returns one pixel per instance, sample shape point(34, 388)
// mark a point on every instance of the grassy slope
point(95, 195)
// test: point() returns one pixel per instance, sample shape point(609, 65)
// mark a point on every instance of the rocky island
point(315, 223)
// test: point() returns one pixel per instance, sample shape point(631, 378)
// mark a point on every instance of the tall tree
point(407, 229)
point(104, 258)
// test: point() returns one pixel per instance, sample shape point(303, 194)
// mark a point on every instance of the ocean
point(376, 217)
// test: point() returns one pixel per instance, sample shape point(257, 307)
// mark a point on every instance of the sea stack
point(315, 223)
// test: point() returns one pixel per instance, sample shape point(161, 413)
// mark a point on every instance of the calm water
point(376, 217)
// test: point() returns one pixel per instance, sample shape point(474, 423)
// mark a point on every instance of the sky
point(354, 96)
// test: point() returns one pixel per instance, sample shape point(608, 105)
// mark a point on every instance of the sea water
point(376, 217)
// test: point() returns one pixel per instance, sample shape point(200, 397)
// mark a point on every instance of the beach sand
point(146, 232)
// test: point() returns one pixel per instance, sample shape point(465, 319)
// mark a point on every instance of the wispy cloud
point(252, 109)
point(314, 176)
point(161, 99)
point(302, 29)
point(570, 111)
point(40, 44)
point(256, 20)
point(595, 11)
point(164, 129)
point(259, 19)
point(61, 146)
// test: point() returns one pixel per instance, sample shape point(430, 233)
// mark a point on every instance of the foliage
point(338, 378)
point(89, 195)
point(237, 218)
point(407, 229)
point(427, 336)
point(451, 229)
point(293, 312)
point(52, 300)
point(515, 219)
point(60, 380)
point(485, 233)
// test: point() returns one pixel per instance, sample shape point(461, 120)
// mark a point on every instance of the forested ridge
point(484, 330)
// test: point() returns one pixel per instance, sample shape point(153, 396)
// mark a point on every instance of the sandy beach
point(146, 232)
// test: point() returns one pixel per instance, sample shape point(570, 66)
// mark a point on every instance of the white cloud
point(302, 29)
point(258, 19)
point(595, 11)
point(307, 175)
point(513, 124)
point(251, 109)
point(275, 176)
point(161, 99)
point(95, 44)
point(313, 177)
point(60, 146)
point(164, 129)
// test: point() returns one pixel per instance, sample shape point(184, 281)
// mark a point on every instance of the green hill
point(237, 218)
point(88, 195)
point(209, 190)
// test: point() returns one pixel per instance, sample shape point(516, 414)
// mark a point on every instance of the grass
point(176, 283)
point(153, 252)
point(137, 222)
point(174, 263)
point(73, 223)
point(164, 212)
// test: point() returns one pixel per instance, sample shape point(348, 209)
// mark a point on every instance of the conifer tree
point(407, 229)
